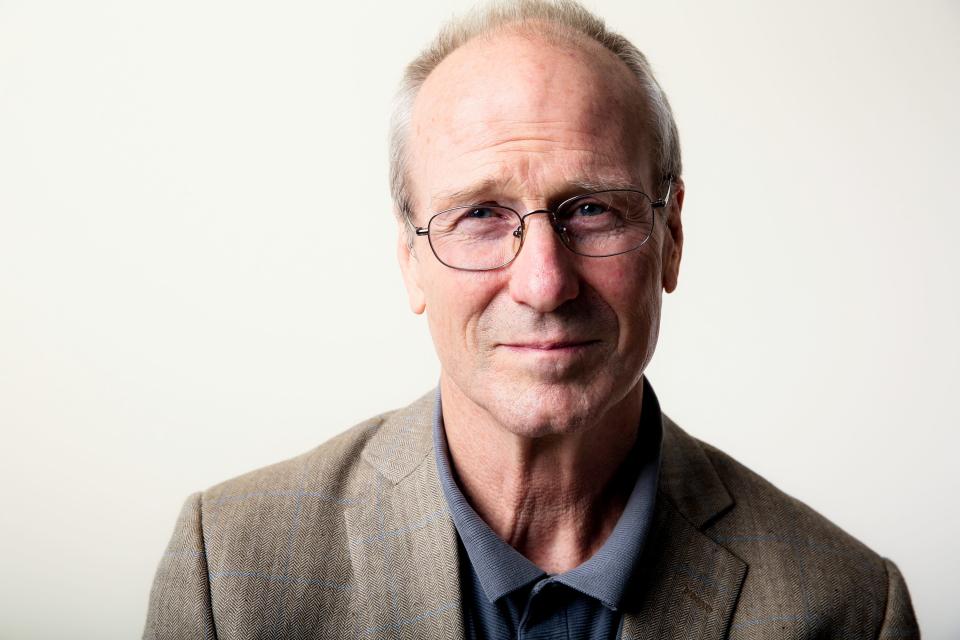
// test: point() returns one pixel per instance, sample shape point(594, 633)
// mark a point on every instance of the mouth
point(548, 346)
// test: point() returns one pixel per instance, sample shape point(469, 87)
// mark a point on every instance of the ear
point(409, 266)
point(673, 243)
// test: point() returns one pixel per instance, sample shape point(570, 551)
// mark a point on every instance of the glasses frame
point(558, 228)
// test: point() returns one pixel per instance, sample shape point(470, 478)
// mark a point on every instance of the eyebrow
point(483, 190)
point(470, 194)
point(581, 186)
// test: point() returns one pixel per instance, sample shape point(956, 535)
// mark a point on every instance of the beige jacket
point(353, 540)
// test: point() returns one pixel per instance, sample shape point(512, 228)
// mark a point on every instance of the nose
point(543, 276)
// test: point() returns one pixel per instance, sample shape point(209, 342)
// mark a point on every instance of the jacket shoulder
point(804, 571)
point(335, 459)
point(760, 506)
point(275, 539)
point(390, 443)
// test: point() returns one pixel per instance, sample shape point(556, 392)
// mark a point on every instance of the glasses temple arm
point(662, 202)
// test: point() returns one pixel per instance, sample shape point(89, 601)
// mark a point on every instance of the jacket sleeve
point(180, 598)
point(898, 620)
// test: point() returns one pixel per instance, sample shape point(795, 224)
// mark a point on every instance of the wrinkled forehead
point(522, 94)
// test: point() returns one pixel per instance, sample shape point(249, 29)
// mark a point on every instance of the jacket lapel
point(403, 545)
point(688, 584)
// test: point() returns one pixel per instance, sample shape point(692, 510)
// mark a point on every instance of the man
point(539, 492)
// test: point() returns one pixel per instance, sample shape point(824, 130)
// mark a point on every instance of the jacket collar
point(686, 578)
point(605, 576)
point(687, 477)
point(689, 583)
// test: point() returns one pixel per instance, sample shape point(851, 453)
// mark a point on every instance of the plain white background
point(197, 270)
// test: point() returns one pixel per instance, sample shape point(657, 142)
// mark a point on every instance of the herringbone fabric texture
point(354, 540)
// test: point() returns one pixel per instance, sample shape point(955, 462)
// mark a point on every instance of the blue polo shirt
point(504, 595)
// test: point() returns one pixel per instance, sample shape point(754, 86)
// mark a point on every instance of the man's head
point(560, 20)
point(525, 113)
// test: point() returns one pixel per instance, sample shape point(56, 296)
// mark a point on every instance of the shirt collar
point(605, 576)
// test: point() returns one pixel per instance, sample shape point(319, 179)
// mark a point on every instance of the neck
point(554, 498)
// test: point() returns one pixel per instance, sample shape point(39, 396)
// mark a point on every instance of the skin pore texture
point(541, 361)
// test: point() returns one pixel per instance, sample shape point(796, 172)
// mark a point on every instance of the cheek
point(456, 301)
point(631, 286)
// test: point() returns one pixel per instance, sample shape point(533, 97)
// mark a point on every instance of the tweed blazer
point(354, 540)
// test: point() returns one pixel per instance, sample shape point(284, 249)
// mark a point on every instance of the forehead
point(527, 113)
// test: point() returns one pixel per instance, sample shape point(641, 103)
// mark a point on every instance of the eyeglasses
point(483, 237)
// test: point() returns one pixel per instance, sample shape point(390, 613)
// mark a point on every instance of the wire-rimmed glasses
point(482, 237)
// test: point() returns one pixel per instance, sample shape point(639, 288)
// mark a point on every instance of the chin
point(547, 409)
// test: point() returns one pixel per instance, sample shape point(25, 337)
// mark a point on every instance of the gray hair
point(566, 16)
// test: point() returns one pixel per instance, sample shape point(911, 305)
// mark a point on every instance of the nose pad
point(562, 232)
point(557, 227)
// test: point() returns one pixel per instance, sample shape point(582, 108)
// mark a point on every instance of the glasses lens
point(606, 223)
point(476, 238)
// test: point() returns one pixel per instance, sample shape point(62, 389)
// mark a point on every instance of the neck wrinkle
point(555, 498)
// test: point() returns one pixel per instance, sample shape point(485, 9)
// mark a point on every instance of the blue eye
point(481, 212)
point(589, 209)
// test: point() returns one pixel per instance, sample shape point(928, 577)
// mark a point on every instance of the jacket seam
point(212, 632)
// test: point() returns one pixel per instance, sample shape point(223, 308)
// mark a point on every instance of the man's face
point(552, 342)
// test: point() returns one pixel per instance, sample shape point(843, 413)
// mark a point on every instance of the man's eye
point(589, 209)
point(482, 212)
